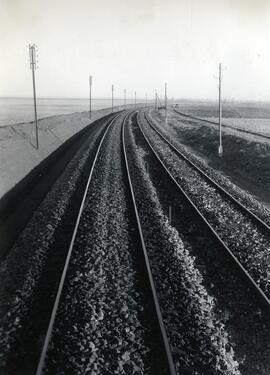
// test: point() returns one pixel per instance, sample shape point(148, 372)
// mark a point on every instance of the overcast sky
point(137, 44)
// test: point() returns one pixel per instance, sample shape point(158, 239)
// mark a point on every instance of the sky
point(137, 45)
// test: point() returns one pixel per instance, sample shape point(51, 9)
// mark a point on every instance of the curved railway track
point(157, 317)
point(114, 151)
point(30, 273)
point(259, 291)
point(64, 272)
point(244, 209)
point(233, 291)
point(148, 267)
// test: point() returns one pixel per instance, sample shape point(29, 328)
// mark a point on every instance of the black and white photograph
point(134, 187)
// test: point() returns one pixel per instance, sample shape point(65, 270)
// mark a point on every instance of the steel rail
point(240, 130)
point(147, 263)
point(242, 207)
point(259, 292)
point(42, 358)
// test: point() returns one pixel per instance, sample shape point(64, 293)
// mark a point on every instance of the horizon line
point(230, 100)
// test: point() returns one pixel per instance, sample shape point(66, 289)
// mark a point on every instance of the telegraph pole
point(155, 99)
point(125, 98)
point(220, 148)
point(112, 96)
point(33, 63)
point(135, 98)
point(90, 97)
point(166, 103)
point(146, 99)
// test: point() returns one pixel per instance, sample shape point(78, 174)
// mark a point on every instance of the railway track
point(234, 293)
point(30, 273)
point(262, 229)
point(19, 204)
point(257, 134)
point(221, 189)
point(192, 327)
point(123, 303)
point(161, 360)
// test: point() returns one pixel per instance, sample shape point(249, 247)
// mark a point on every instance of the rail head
point(265, 300)
point(147, 263)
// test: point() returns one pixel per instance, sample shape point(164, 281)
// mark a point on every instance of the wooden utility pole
point(90, 97)
point(112, 96)
point(155, 99)
point(135, 98)
point(220, 147)
point(166, 103)
point(33, 65)
point(125, 98)
point(146, 99)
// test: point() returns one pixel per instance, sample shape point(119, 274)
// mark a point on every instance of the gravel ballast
point(172, 131)
point(240, 234)
point(236, 304)
point(100, 326)
point(22, 270)
point(198, 339)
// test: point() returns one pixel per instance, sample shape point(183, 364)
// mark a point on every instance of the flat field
point(247, 116)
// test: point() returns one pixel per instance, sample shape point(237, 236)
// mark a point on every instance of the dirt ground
point(246, 160)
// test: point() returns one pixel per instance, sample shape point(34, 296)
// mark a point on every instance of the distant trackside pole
point(125, 99)
point(166, 120)
point(112, 97)
point(90, 97)
point(33, 63)
point(220, 147)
